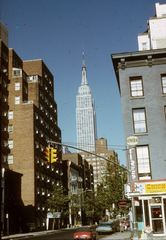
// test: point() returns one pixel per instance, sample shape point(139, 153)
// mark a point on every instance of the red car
point(85, 235)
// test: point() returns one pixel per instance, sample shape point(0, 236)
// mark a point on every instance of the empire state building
point(85, 115)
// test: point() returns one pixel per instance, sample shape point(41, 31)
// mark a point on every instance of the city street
point(67, 234)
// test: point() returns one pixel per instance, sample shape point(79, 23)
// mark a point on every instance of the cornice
point(150, 61)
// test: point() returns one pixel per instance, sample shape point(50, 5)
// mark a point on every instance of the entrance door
point(157, 219)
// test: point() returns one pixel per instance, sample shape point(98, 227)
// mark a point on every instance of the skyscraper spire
point(84, 74)
point(83, 62)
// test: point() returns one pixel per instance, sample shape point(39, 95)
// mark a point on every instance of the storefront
point(151, 206)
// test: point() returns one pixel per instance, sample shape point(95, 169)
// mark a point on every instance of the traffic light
point(47, 154)
point(123, 203)
point(53, 155)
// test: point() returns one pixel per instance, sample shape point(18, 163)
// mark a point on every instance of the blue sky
point(57, 30)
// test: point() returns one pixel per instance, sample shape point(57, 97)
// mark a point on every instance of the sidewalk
point(24, 235)
point(118, 236)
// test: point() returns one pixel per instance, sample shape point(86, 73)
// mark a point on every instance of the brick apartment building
point(98, 163)
point(32, 120)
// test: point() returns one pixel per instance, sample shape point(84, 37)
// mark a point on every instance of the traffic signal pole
point(62, 144)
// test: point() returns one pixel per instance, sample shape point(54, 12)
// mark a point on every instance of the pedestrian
point(121, 227)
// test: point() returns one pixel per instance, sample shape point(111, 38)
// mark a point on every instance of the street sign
point(132, 140)
point(133, 194)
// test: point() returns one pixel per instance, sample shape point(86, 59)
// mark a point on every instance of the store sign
point(133, 164)
point(132, 140)
point(155, 187)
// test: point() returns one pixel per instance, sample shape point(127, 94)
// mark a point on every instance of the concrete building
point(32, 120)
point(155, 36)
point(99, 164)
point(85, 170)
point(85, 115)
point(141, 77)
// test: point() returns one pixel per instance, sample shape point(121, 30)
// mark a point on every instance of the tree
point(57, 200)
point(89, 205)
point(100, 202)
point(113, 186)
point(75, 205)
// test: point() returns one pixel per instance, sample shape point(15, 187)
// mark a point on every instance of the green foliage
point(111, 190)
point(32, 229)
point(89, 204)
point(76, 202)
point(57, 200)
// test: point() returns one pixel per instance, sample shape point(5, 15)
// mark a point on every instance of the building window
point(139, 120)
point(163, 78)
point(143, 162)
point(136, 87)
point(144, 46)
point(102, 154)
point(10, 142)
point(10, 129)
point(10, 114)
point(17, 86)
point(10, 159)
point(17, 99)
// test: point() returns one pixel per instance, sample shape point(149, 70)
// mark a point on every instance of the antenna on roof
point(83, 62)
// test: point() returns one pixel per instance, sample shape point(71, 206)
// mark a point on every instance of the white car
point(106, 227)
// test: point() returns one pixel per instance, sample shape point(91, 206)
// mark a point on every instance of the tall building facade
point(85, 115)
point(98, 163)
point(141, 77)
point(32, 118)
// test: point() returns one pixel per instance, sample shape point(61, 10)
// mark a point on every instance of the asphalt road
point(67, 234)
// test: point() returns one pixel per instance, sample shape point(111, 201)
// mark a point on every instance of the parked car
point(91, 235)
point(106, 227)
